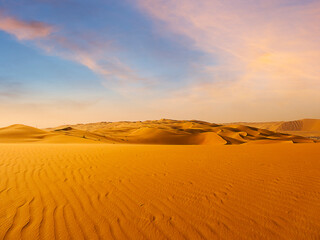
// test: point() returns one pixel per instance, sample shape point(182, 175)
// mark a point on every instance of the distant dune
point(303, 127)
point(297, 125)
point(164, 132)
point(174, 132)
point(24, 134)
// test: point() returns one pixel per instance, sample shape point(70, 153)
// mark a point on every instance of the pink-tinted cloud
point(93, 53)
point(99, 58)
point(266, 53)
point(24, 30)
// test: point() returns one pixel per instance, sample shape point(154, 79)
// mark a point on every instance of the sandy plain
point(123, 191)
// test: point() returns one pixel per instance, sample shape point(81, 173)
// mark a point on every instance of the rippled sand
point(100, 191)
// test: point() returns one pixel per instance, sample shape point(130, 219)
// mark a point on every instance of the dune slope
point(19, 133)
point(303, 127)
point(101, 191)
point(176, 132)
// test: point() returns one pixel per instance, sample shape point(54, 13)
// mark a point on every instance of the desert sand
point(24, 134)
point(175, 132)
point(76, 184)
point(303, 127)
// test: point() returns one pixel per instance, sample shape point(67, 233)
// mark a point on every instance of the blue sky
point(85, 61)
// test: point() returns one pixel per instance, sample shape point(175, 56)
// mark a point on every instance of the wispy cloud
point(11, 90)
point(262, 51)
point(96, 54)
point(24, 30)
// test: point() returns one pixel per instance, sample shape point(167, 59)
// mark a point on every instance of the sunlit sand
point(54, 186)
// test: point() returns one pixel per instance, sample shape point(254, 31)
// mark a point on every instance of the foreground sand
point(96, 191)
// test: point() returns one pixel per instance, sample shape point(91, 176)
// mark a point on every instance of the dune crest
point(162, 132)
point(19, 133)
point(297, 125)
point(304, 127)
point(174, 132)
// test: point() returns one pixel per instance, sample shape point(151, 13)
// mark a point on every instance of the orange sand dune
point(23, 134)
point(175, 132)
point(117, 191)
point(304, 127)
point(83, 134)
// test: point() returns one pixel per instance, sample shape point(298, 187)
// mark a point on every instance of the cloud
point(24, 30)
point(98, 56)
point(11, 90)
point(265, 53)
point(89, 50)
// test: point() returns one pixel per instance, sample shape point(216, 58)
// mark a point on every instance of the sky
point(79, 61)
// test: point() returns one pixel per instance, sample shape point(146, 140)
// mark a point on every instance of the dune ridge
point(303, 127)
point(19, 133)
point(177, 132)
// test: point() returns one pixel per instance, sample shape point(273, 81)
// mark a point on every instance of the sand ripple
point(159, 192)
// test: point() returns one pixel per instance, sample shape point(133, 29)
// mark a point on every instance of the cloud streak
point(11, 90)
point(264, 52)
point(24, 30)
point(96, 54)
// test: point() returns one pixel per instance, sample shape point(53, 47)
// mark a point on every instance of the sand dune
point(83, 134)
point(303, 127)
point(175, 132)
point(116, 191)
point(23, 134)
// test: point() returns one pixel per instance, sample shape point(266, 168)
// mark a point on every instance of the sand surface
point(304, 127)
point(181, 132)
point(115, 191)
point(24, 134)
